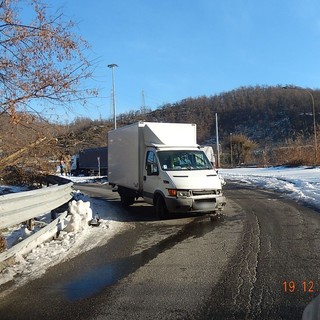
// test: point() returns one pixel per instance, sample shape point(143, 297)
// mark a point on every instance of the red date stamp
point(302, 286)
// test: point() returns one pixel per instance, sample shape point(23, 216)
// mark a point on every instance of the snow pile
point(80, 215)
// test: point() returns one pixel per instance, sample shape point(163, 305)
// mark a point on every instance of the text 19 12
point(294, 286)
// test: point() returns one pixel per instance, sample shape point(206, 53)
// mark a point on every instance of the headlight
point(183, 193)
point(178, 193)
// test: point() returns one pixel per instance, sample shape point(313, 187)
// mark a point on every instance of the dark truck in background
point(90, 162)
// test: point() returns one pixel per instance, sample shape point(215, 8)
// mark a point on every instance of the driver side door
point(150, 176)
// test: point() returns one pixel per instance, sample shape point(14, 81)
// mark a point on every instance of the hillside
point(279, 121)
point(267, 115)
point(274, 118)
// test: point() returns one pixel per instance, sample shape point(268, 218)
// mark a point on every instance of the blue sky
point(175, 49)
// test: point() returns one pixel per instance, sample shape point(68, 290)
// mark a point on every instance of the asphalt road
point(259, 260)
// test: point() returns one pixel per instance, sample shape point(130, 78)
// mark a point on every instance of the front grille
point(203, 192)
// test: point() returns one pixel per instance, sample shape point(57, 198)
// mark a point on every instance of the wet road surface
point(260, 260)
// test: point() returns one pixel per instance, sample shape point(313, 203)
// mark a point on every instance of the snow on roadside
point(300, 183)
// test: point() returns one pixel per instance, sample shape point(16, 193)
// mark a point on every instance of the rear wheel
point(161, 208)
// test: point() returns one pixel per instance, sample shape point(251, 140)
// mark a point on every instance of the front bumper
point(195, 204)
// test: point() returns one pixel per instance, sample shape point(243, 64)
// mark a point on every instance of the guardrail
point(22, 206)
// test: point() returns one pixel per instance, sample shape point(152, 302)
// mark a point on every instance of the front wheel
point(161, 208)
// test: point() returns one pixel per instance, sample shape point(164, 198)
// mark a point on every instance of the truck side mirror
point(152, 169)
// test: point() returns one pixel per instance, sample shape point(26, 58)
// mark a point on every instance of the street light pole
point(217, 142)
point(314, 120)
point(112, 66)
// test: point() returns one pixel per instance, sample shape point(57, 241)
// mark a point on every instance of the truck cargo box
point(127, 144)
point(163, 163)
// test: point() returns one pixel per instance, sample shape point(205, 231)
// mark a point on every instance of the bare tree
point(41, 59)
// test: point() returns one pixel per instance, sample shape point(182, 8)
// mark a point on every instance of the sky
point(170, 50)
point(299, 184)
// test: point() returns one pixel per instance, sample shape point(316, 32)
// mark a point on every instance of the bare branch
point(39, 61)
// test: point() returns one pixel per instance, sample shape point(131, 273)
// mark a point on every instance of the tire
point(126, 200)
point(161, 208)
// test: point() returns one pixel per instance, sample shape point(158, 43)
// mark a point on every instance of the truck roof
point(166, 133)
point(169, 134)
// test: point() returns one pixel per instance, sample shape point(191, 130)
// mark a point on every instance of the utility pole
point(231, 151)
point(112, 66)
point(217, 142)
point(143, 106)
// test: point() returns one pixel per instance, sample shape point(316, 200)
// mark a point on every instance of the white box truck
point(163, 163)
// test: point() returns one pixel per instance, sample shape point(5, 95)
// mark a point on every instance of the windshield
point(183, 160)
